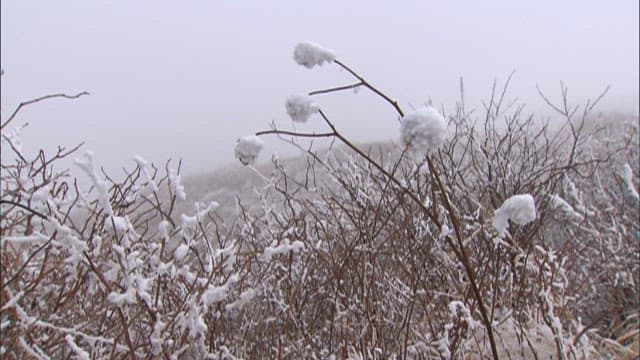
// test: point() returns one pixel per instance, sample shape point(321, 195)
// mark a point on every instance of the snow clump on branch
point(300, 107)
point(520, 209)
point(309, 54)
point(423, 129)
point(248, 148)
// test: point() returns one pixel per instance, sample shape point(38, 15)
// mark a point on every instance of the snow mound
point(520, 209)
point(248, 148)
point(309, 54)
point(300, 107)
point(424, 130)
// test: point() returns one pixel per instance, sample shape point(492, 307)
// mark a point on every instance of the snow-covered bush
point(105, 269)
point(352, 252)
point(400, 238)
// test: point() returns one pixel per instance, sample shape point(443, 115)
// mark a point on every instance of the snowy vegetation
point(492, 235)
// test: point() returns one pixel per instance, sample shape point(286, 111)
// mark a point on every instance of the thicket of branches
point(362, 254)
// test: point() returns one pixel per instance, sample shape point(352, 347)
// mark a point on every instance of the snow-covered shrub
point(398, 239)
point(105, 269)
point(356, 251)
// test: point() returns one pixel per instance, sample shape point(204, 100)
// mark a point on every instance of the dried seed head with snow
point(424, 130)
point(248, 148)
point(309, 54)
point(300, 107)
point(520, 209)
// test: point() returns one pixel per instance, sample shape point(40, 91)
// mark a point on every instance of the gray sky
point(186, 79)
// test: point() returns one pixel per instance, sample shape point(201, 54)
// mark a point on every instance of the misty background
point(185, 80)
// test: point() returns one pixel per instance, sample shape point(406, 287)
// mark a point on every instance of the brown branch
point(338, 88)
point(46, 97)
point(25, 208)
point(293, 133)
point(371, 87)
point(464, 258)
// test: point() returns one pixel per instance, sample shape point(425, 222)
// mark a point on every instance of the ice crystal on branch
point(520, 209)
point(424, 130)
point(309, 54)
point(300, 107)
point(248, 148)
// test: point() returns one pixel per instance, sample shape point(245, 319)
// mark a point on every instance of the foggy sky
point(186, 79)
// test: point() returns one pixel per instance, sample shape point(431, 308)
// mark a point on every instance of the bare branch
point(42, 98)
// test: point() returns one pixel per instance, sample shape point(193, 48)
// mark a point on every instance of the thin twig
point(293, 133)
point(371, 87)
point(46, 97)
point(25, 208)
point(338, 88)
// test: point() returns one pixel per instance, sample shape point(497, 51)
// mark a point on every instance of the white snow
point(86, 164)
point(227, 255)
point(424, 130)
point(144, 167)
point(215, 294)
point(565, 209)
point(309, 54)
point(181, 252)
point(13, 301)
point(156, 338)
point(200, 214)
point(520, 209)
point(121, 224)
point(176, 186)
point(248, 148)
point(81, 354)
point(118, 298)
point(41, 197)
point(71, 243)
point(244, 299)
point(627, 177)
point(300, 107)
point(283, 248)
point(163, 229)
point(35, 237)
point(164, 232)
point(459, 309)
